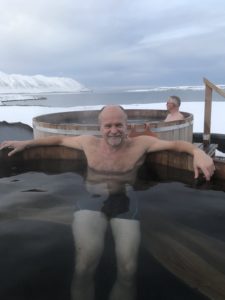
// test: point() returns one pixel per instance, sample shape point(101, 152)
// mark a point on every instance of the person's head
point(173, 103)
point(113, 124)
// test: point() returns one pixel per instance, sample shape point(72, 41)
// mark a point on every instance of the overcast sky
point(111, 43)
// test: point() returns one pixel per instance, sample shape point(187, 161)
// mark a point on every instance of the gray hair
point(177, 100)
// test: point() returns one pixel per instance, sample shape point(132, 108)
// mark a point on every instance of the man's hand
point(16, 146)
point(203, 162)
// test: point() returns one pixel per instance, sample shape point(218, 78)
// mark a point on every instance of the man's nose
point(113, 129)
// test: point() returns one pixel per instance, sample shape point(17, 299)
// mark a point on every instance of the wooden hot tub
point(86, 122)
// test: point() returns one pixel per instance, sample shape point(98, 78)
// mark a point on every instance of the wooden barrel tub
point(139, 120)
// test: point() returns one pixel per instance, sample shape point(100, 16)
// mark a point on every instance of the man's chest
point(121, 161)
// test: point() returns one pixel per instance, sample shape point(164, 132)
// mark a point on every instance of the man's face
point(170, 104)
point(113, 126)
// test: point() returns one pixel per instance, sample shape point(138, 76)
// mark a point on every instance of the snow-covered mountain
point(16, 83)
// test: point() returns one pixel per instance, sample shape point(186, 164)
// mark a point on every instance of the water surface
point(181, 254)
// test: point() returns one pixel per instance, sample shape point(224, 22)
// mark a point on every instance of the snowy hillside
point(16, 83)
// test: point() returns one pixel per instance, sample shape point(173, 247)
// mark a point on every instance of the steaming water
point(182, 228)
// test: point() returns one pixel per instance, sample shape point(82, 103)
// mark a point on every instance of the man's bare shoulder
point(174, 117)
point(151, 144)
point(79, 142)
point(85, 137)
point(143, 140)
point(89, 139)
point(81, 137)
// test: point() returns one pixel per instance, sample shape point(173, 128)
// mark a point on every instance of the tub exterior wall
point(57, 124)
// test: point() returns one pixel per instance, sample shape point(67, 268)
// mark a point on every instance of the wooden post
point(209, 87)
point(207, 117)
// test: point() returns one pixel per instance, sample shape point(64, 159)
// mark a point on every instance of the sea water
point(122, 97)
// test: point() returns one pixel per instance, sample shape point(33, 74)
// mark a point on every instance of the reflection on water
point(75, 235)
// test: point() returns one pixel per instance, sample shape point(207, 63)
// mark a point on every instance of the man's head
point(113, 124)
point(173, 103)
point(175, 100)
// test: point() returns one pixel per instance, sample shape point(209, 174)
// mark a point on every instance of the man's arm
point(201, 161)
point(75, 142)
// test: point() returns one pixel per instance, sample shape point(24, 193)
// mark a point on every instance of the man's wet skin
point(112, 182)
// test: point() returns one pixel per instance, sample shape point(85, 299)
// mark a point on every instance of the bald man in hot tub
point(112, 163)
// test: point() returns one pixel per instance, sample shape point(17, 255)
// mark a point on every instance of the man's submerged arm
point(72, 142)
point(201, 161)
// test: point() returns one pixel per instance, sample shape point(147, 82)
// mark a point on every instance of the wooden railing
point(209, 87)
